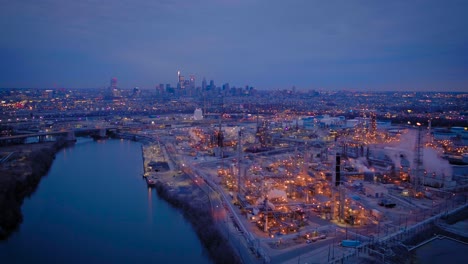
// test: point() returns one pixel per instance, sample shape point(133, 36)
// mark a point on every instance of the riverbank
point(20, 174)
point(179, 190)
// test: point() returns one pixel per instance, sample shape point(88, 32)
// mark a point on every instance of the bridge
point(69, 135)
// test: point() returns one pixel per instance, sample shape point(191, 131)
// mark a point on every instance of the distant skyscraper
point(159, 89)
point(113, 83)
point(204, 84)
point(192, 81)
point(180, 81)
point(113, 90)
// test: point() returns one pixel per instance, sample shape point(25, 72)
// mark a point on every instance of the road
point(221, 206)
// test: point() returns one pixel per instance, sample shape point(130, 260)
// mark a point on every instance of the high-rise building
point(113, 90)
point(180, 80)
point(204, 84)
point(192, 81)
point(113, 83)
point(160, 89)
point(169, 89)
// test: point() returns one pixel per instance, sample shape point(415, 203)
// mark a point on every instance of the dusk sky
point(268, 44)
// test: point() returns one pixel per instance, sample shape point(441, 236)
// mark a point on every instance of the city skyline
point(357, 45)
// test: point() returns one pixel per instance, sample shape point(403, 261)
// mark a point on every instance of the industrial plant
point(301, 178)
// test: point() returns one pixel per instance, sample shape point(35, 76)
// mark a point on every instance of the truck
point(387, 203)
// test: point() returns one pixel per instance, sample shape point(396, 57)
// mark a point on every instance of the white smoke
point(360, 164)
point(407, 144)
point(273, 194)
point(432, 162)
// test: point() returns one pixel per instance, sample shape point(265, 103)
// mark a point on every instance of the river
point(94, 207)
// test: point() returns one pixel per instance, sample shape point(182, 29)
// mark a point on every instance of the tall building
point(113, 83)
point(192, 81)
point(226, 88)
point(160, 89)
point(203, 84)
point(113, 90)
point(169, 89)
point(180, 81)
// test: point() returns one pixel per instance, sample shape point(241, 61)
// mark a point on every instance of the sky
point(372, 45)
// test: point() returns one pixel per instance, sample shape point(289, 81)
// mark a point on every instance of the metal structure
point(418, 162)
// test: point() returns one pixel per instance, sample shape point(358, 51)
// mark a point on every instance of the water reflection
point(150, 205)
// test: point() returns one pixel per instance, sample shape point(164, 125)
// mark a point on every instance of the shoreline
point(180, 192)
point(214, 242)
point(20, 177)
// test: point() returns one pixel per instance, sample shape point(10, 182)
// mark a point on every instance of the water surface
point(442, 251)
point(94, 207)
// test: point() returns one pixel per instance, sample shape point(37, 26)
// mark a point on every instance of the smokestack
point(338, 169)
